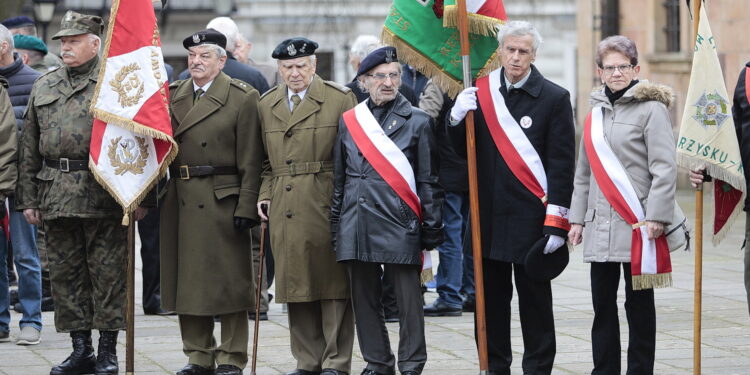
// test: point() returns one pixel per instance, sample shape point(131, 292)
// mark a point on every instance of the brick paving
point(451, 350)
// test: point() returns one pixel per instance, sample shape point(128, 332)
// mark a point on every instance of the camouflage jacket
point(58, 125)
point(8, 148)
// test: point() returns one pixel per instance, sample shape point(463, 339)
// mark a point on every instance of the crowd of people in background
point(355, 179)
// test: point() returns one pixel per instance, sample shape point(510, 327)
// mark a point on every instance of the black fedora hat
point(545, 267)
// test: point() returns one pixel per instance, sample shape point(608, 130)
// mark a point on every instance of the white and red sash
point(386, 158)
point(650, 263)
point(515, 148)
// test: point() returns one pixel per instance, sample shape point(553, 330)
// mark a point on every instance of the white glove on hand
point(465, 101)
point(553, 243)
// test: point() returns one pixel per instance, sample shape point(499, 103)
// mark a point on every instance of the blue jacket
point(21, 78)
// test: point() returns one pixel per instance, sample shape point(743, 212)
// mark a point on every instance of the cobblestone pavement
point(451, 350)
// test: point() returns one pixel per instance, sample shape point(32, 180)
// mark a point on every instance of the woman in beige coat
point(637, 127)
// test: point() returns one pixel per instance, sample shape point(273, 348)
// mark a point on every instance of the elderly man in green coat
point(209, 207)
point(300, 122)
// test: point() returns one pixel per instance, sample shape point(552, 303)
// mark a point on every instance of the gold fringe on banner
point(651, 281)
point(693, 163)
point(130, 125)
point(478, 24)
point(426, 66)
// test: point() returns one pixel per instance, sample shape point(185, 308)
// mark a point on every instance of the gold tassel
point(478, 24)
point(426, 276)
point(125, 220)
point(651, 281)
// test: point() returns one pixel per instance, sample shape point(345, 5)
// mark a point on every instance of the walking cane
point(258, 288)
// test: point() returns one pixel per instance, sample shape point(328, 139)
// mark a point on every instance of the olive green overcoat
point(298, 179)
point(206, 265)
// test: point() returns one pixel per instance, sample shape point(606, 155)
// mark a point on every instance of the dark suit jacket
point(512, 218)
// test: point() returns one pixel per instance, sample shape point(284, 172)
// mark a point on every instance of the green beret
point(74, 23)
point(29, 42)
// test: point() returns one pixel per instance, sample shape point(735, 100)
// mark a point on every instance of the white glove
point(465, 101)
point(553, 243)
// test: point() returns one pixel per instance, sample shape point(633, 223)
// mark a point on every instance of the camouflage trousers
point(87, 261)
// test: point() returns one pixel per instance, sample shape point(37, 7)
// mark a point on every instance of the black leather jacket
point(369, 221)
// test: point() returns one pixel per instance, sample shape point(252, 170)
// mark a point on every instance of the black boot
point(106, 356)
point(82, 360)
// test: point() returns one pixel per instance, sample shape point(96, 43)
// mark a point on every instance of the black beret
point(19, 21)
point(545, 267)
point(207, 36)
point(293, 48)
point(382, 55)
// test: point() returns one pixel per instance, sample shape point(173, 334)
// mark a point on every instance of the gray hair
point(228, 27)
point(617, 43)
point(519, 28)
point(6, 36)
point(92, 38)
point(363, 45)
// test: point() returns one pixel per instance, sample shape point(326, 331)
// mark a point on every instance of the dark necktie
point(295, 100)
point(198, 94)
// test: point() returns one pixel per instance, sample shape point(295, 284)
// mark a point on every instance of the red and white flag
point(131, 141)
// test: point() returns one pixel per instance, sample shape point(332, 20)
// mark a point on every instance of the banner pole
point(698, 289)
point(130, 313)
point(480, 317)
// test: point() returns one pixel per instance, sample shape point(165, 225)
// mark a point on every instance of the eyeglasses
point(380, 77)
point(624, 69)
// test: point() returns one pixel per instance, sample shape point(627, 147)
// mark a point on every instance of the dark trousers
point(605, 332)
point(148, 230)
point(365, 280)
point(535, 310)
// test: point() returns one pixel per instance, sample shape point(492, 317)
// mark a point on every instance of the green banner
point(422, 42)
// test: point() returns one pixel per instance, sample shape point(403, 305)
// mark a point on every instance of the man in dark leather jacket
point(387, 208)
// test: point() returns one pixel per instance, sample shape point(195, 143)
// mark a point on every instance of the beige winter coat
point(639, 131)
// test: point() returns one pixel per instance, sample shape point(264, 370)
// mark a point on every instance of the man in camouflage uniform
point(87, 244)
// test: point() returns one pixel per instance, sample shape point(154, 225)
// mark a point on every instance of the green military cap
point(29, 42)
point(75, 23)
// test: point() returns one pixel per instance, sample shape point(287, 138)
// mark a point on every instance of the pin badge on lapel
point(392, 125)
point(526, 122)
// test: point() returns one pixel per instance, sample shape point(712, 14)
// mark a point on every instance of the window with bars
point(672, 27)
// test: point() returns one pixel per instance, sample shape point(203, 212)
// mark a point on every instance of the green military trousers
point(87, 261)
point(322, 334)
point(199, 345)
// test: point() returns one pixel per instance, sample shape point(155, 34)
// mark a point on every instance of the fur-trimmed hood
point(643, 91)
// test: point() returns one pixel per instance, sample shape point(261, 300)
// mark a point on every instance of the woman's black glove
point(432, 238)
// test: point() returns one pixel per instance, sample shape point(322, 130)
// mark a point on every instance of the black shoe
point(409, 373)
point(228, 370)
point(302, 372)
point(440, 308)
point(106, 356)
point(370, 372)
point(158, 311)
point(330, 371)
point(263, 315)
point(391, 318)
point(82, 360)
point(14, 297)
point(192, 369)
point(469, 305)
